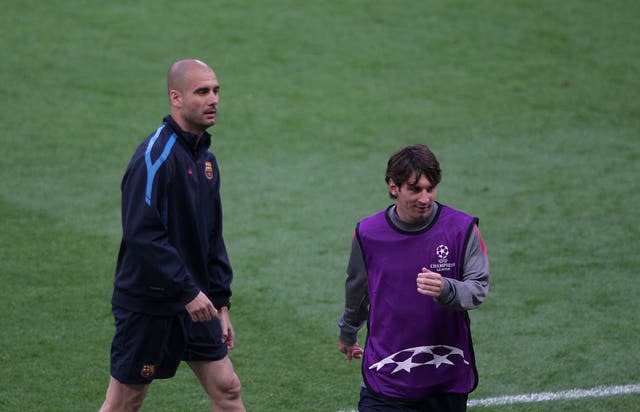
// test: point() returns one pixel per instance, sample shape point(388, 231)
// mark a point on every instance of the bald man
point(172, 286)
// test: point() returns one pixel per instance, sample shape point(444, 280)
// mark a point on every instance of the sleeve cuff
point(221, 302)
point(348, 337)
point(448, 293)
point(189, 295)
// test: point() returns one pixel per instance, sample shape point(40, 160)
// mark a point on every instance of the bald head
point(177, 77)
point(193, 95)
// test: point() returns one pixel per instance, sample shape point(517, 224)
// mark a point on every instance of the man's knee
point(134, 401)
point(231, 387)
point(122, 397)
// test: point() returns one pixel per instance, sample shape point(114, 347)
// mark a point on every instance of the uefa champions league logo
point(435, 355)
point(442, 252)
point(443, 265)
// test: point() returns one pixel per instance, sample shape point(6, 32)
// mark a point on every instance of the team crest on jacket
point(148, 371)
point(208, 170)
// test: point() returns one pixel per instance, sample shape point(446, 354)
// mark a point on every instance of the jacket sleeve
point(218, 258)
point(356, 308)
point(472, 290)
point(160, 272)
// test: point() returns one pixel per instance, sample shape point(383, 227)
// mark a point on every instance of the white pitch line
point(551, 396)
point(598, 391)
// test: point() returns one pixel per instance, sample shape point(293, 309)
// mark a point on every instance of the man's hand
point(352, 351)
point(228, 334)
point(430, 283)
point(201, 309)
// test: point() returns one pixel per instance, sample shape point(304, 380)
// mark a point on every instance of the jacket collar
point(189, 139)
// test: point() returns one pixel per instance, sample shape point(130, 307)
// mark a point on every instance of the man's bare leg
point(221, 383)
point(123, 398)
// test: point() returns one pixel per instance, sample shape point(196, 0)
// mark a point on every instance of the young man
point(173, 276)
point(414, 271)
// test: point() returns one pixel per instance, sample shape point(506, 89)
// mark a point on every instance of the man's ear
point(393, 188)
point(175, 98)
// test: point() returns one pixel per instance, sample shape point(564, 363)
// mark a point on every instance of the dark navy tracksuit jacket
point(172, 245)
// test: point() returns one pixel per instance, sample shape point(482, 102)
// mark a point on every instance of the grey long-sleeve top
point(465, 294)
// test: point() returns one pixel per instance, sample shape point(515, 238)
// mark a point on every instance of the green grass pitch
point(531, 106)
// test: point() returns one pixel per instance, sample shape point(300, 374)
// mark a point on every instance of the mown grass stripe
point(553, 396)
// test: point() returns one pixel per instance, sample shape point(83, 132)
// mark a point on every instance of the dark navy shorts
point(444, 402)
point(147, 347)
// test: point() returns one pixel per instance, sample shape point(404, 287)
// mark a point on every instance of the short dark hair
point(418, 159)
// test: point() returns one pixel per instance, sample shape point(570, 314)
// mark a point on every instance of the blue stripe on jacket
point(152, 167)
